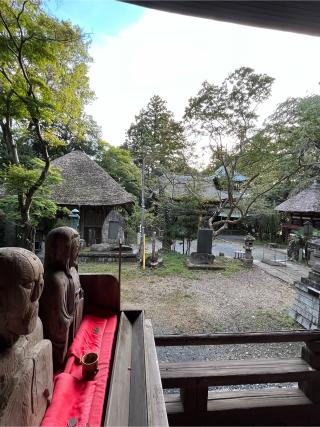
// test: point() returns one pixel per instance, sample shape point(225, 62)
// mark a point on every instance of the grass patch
point(231, 265)
point(173, 265)
point(272, 319)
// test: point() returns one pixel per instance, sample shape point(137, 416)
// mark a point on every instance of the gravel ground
point(246, 300)
point(249, 300)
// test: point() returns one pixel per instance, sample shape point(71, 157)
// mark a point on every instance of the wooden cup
point(89, 362)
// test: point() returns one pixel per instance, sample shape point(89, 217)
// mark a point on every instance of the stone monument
point(203, 259)
point(61, 304)
point(25, 357)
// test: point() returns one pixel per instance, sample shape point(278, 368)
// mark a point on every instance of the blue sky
point(138, 53)
point(97, 17)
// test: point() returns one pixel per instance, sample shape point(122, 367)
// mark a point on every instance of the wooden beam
point(194, 399)
point(244, 399)
point(101, 290)
point(119, 395)
point(138, 392)
point(238, 338)
point(233, 372)
point(157, 415)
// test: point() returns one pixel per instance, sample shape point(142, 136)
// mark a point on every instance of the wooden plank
point(157, 415)
point(117, 413)
point(102, 291)
point(244, 399)
point(138, 392)
point(314, 346)
point(221, 372)
point(239, 338)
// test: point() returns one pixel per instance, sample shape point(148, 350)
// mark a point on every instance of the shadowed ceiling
point(295, 16)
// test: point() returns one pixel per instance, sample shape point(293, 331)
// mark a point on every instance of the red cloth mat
point(74, 398)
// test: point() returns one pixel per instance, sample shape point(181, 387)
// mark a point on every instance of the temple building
point(86, 186)
point(303, 207)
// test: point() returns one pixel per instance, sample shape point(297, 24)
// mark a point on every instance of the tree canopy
point(119, 164)
point(157, 137)
point(267, 156)
point(43, 86)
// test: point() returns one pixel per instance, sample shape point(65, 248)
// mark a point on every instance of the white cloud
point(171, 55)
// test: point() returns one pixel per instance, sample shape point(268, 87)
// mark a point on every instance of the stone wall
point(306, 306)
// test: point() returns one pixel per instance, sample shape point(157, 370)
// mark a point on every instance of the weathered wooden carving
point(25, 357)
point(61, 304)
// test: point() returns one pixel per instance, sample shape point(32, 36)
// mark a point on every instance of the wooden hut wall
point(91, 219)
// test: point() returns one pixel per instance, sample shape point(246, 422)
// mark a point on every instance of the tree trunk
point(26, 236)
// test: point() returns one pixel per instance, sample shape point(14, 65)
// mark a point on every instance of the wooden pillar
point(311, 354)
point(82, 220)
point(194, 399)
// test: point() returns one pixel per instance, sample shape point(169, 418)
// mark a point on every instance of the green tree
point(79, 133)
point(288, 145)
point(294, 128)
point(119, 164)
point(43, 82)
point(17, 178)
point(157, 137)
point(226, 114)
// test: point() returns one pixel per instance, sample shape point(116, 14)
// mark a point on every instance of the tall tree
point(227, 115)
point(294, 128)
point(43, 81)
point(157, 137)
point(119, 164)
point(289, 144)
point(78, 133)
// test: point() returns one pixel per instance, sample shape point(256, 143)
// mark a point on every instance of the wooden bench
point(235, 372)
point(196, 405)
point(135, 395)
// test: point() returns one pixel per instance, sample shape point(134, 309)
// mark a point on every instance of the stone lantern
point(248, 245)
point(74, 219)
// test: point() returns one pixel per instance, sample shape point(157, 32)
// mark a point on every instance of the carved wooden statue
point(25, 357)
point(61, 304)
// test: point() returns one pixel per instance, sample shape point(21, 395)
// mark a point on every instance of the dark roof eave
point(96, 204)
point(294, 16)
point(298, 210)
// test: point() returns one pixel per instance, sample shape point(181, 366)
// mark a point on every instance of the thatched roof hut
point(87, 187)
point(301, 208)
point(307, 200)
point(85, 183)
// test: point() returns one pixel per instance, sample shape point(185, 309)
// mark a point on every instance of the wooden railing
point(196, 404)
point(135, 394)
point(237, 338)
